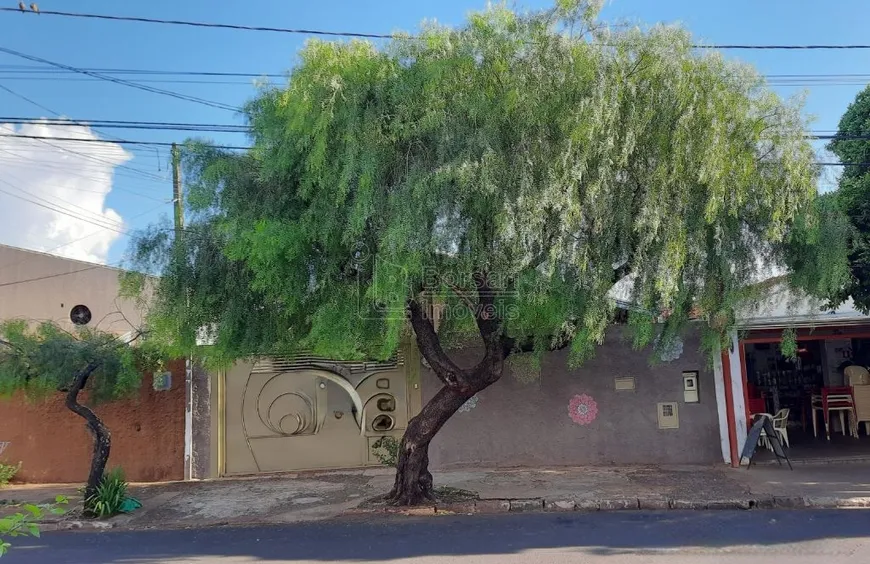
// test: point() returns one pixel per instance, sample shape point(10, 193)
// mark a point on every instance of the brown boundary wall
point(54, 446)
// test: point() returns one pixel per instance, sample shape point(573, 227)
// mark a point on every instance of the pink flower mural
point(582, 409)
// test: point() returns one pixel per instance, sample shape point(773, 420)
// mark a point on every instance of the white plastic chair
point(762, 438)
point(780, 425)
point(856, 375)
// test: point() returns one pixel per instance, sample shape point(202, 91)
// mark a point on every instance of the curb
point(73, 525)
point(520, 505)
point(526, 505)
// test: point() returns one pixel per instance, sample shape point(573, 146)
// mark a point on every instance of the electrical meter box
point(690, 387)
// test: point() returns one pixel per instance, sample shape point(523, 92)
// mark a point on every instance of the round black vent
point(80, 315)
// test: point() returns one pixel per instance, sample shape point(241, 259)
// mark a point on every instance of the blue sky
point(92, 43)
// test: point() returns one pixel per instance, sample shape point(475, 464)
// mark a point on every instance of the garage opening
point(818, 401)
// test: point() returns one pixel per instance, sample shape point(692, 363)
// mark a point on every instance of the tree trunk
point(99, 432)
point(413, 484)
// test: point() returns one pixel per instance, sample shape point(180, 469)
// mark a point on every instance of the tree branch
point(636, 66)
point(430, 347)
point(487, 318)
point(462, 295)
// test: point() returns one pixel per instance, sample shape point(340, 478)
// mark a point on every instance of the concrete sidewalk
point(308, 496)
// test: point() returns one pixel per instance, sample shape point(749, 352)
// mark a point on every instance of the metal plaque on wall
point(162, 381)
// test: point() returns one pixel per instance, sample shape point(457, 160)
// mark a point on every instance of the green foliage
point(853, 197)
point(789, 345)
point(7, 472)
point(44, 359)
point(817, 253)
point(386, 450)
point(508, 146)
point(26, 523)
point(110, 497)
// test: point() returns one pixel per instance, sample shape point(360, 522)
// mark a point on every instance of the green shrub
point(110, 496)
point(7, 472)
point(26, 523)
point(386, 450)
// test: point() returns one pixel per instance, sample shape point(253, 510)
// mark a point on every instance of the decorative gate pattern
point(296, 414)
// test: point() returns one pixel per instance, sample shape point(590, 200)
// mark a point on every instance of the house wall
point(54, 446)
point(42, 287)
point(524, 424)
point(51, 442)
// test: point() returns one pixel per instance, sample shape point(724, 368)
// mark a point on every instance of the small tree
point(507, 173)
point(47, 359)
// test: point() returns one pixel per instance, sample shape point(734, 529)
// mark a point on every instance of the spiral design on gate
point(285, 413)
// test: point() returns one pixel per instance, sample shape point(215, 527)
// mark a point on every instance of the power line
point(96, 159)
point(57, 209)
point(16, 159)
point(231, 128)
point(74, 241)
point(843, 137)
point(118, 141)
point(118, 124)
point(72, 173)
point(212, 25)
point(26, 99)
point(58, 275)
point(39, 69)
point(247, 84)
point(38, 105)
point(84, 213)
point(97, 175)
point(89, 157)
point(817, 47)
point(49, 205)
point(244, 148)
point(320, 32)
point(121, 81)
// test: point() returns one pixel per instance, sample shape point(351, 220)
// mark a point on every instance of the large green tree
point(509, 171)
point(45, 359)
point(852, 146)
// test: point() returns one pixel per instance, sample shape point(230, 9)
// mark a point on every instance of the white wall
point(737, 392)
point(722, 409)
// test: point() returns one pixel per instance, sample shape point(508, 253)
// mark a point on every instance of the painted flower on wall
point(582, 409)
point(470, 404)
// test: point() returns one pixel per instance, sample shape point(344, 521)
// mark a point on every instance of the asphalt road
point(723, 537)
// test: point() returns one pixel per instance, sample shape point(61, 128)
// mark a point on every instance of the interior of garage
point(826, 381)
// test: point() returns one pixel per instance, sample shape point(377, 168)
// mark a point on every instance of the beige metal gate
point(303, 413)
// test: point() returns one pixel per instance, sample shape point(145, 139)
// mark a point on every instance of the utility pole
point(177, 194)
point(178, 205)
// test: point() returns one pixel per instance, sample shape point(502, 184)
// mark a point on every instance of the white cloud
point(68, 181)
